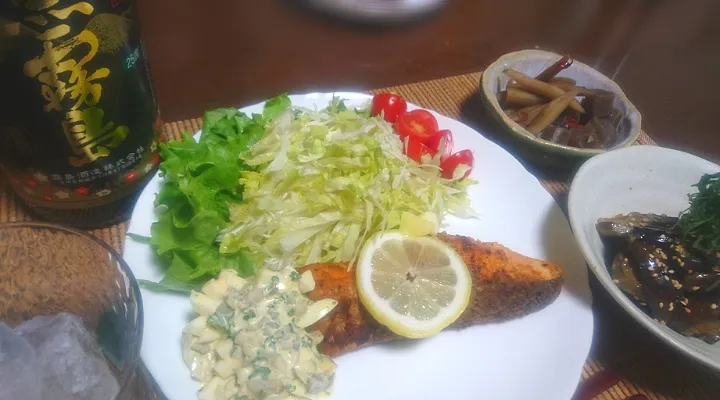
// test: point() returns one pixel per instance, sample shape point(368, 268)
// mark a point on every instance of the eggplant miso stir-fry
point(548, 107)
point(670, 266)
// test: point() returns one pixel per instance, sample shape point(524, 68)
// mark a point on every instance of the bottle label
point(84, 125)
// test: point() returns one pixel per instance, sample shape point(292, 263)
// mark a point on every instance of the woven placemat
point(625, 359)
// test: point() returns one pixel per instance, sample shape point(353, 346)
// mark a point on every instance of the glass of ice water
point(70, 316)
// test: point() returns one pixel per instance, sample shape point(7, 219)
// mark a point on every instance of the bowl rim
point(600, 270)
point(519, 131)
point(130, 368)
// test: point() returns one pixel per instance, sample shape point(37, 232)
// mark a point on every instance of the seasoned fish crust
point(506, 285)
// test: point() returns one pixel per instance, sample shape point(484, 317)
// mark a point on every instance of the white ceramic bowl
point(531, 63)
point(645, 179)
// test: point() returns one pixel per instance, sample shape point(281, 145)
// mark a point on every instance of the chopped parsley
point(294, 276)
point(263, 372)
point(270, 342)
point(274, 282)
point(290, 388)
point(291, 312)
point(249, 314)
point(305, 341)
point(222, 323)
point(234, 350)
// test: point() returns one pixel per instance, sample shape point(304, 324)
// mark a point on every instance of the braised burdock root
point(548, 107)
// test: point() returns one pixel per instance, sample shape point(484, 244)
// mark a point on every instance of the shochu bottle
point(79, 123)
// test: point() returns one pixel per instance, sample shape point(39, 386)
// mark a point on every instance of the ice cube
point(20, 373)
point(73, 367)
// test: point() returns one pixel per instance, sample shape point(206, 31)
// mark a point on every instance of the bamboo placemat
point(625, 360)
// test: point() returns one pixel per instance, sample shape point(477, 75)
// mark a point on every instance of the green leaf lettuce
point(201, 181)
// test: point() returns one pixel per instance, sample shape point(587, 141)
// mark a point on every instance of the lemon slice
point(416, 286)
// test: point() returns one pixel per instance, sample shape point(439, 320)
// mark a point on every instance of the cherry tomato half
point(462, 159)
point(390, 104)
point(417, 150)
point(418, 124)
point(442, 143)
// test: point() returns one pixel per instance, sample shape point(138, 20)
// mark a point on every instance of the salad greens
point(326, 180)
point(700, 223)
point(292, 186)
point(200, 181)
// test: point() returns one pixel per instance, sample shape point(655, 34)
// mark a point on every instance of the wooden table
point(222, 52)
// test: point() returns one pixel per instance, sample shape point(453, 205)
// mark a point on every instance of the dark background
point(665, 54)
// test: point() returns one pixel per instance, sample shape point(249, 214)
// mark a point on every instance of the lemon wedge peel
point(418, 225)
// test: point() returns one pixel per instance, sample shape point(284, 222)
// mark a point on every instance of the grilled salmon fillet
point(506, 285)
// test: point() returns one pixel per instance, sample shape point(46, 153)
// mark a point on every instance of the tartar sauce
point(249, 341)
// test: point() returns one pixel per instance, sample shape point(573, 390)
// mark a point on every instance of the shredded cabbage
point(325, 181)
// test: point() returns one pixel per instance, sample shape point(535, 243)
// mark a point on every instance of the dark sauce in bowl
point(673, 282)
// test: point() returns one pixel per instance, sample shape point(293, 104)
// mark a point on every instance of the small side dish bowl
point(531, 63)
point(644, 179)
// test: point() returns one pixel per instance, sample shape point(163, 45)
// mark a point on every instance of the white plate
point(647, 179)
point(535, 357)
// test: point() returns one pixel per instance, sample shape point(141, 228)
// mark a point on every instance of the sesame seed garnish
point(666, 277)
point(696, 288)
point(625, 259)
point(663, 236)
point(616, 280)
point(687, 310)
point(684, 301)
point(713, 306)
point(662, 322)
point(690, 271)
point(655, 275)
point(672, 271)
point(671, 307)
point(661, 305)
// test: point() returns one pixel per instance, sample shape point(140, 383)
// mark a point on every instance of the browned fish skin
point(506, 285)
